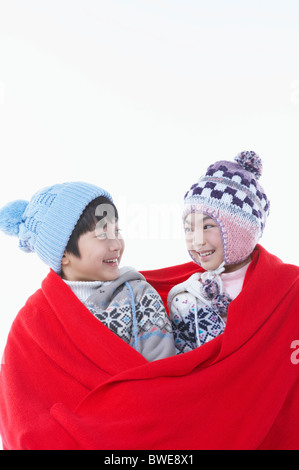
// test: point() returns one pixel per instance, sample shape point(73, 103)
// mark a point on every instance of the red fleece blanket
point(69, 383)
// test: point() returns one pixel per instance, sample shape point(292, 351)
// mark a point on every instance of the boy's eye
point(102, 235)
point(106, 234)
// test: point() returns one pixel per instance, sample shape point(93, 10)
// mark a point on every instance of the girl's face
point(101, 251)
point(203, 239)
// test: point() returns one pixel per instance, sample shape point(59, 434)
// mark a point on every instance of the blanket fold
point(69, 382)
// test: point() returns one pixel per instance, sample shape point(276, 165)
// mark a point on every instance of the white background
point(139, 97)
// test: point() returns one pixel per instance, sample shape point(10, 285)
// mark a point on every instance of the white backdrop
point(139, 97)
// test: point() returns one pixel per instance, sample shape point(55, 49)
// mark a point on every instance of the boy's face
point(203, 239)
point(101, 251)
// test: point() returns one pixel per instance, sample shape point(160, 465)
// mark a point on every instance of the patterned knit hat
point(230, 194)
point(44, 225)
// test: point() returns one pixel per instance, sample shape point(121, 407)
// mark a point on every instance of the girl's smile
point(206, 254)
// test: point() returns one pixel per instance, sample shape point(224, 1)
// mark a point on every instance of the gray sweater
point(132, 309)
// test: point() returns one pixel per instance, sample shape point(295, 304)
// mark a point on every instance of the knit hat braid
point(229, 192)
point(44, 225)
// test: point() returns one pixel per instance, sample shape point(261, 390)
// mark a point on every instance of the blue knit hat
point(44, 225)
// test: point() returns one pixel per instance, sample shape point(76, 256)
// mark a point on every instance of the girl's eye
point(208, 226)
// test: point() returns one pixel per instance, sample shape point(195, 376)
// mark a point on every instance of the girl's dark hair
point(88, 221)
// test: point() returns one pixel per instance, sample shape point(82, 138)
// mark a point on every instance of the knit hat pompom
point(11, 217)
point(251, 162)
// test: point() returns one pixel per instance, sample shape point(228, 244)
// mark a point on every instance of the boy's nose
point(115, 244)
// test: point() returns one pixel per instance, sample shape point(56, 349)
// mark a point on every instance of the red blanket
point(69, 383)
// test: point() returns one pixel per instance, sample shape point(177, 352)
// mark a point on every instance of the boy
point(58, 349)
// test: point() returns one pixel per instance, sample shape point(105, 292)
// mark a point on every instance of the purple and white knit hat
point(230, 193)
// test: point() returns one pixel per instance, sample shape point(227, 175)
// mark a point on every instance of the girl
point(224, 216)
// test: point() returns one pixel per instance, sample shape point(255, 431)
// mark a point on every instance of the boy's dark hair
point(88, 221)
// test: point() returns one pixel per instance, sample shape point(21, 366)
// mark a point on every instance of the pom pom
point(251, 162)
point(210, 289)
point(221, 303)
point(11, 216)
